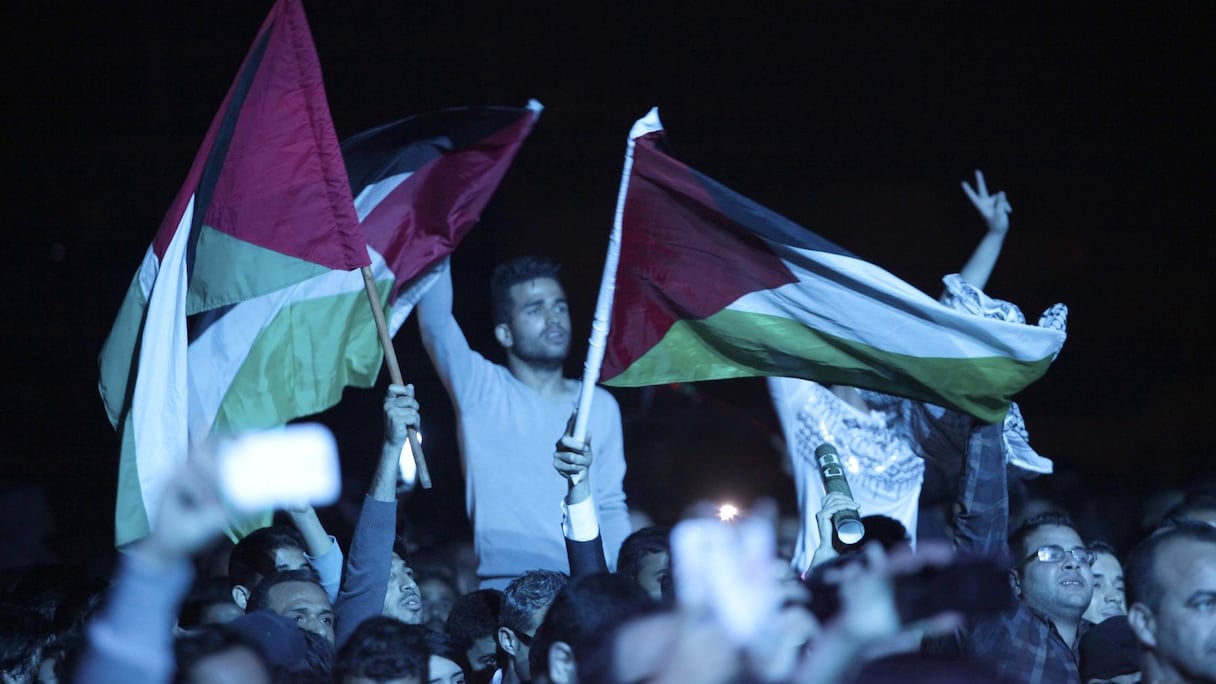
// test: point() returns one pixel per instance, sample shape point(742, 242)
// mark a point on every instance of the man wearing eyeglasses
point(1052, 577)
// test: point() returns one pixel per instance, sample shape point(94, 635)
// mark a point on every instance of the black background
point(858, 121)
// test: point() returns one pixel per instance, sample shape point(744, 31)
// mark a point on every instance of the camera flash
point(727, 512)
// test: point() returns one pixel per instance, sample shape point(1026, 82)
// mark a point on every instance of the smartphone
point(726, 570)
point(291, 466)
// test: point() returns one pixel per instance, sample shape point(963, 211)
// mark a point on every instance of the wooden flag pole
point(394, 370)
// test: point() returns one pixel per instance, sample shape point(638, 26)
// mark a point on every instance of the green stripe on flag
point(120, 356)
point(130, 518)
point(737, 344)
point(300, 362)
point(228, 270)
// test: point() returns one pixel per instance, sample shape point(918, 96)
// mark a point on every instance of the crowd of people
point(560, 589)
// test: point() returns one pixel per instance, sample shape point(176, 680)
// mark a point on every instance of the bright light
point(727, 512)
point(409, 469)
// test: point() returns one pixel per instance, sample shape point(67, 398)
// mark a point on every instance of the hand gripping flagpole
point(394, 370)
point(603, 305)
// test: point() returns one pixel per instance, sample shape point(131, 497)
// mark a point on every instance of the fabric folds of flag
point(419, 185)
point(265, 204)
point(711, 285)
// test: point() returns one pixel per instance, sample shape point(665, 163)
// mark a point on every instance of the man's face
point(1061, 588)
point(1183, 624)
point(651, 570)
point(289, 559)
point(437, 598)
point(307, 604)
point(538, 331)
point(1108, 599)
point(483, 654)
point(402, 599)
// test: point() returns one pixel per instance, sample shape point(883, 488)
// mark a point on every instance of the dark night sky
point(858, 122)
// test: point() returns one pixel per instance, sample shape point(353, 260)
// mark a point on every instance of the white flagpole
point(603, 305)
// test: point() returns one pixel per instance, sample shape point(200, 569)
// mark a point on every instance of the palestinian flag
point(266, 204)
point(419, 184)
point(276, 331)
point(422, 182)
point(711, 285)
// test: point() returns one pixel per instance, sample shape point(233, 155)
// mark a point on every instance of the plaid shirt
point(1024, 646)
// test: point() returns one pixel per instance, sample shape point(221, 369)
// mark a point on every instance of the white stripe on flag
point(225, 345)
point(370, 197)
point(914, 324)
point(159, 403)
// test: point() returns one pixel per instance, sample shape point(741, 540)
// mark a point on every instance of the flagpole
point(603, 306)
point(394, 370)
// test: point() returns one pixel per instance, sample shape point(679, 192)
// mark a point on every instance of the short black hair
point(384, 648)
point(447, 646)
point(513, 272)
point(1099, 546)
point(1186, 509)
point(205, 592)
point(23, 631)
point(1017, 538)
point(885, 530)
point(581, 608)
point(648, 540)
point(474, 615)
point(259, 598)
point(1139, 574)
point(596, 658)
point(532, 591)
point(252, 558)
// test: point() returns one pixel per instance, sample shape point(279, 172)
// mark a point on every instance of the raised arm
point(320, 549)
point(131, 638)
point(441, 335)
point(369, 564)
point(995, 210)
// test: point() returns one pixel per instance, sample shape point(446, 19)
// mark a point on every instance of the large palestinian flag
point(245, 312)
point(711, 285)
point(265, 204)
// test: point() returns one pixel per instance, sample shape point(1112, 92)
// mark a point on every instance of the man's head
point(473, 622)
point(262, 553)
point(1108, 599)
point(646, 559)
point(383, 650)
point(446, 660)
point(1195, 508)
point(23, 633)
point(438, 594)
point(210, 602)
point(1171, 581)
point(531, 317)
point(581, 608)
point(1052, 570)
point(295, 594)
point(523, 609)
point(402, 599)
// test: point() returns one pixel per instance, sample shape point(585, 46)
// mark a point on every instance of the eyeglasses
point(524, 637)
point(1053, 553)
